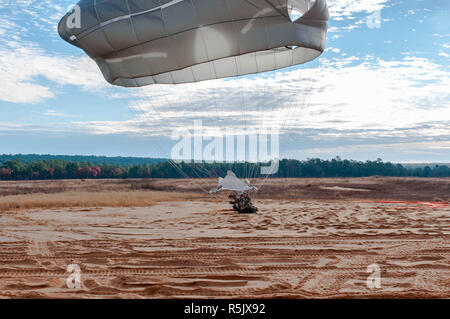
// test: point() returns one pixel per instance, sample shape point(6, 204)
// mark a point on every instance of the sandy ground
point(315, 241)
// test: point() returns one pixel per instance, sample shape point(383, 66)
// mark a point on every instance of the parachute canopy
point(138, 42)
point(232, 183)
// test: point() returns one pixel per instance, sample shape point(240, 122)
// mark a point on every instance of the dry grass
point(138, 198)
point(16, 195)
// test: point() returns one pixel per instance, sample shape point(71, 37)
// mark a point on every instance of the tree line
point(15, 169)
point(96, 160)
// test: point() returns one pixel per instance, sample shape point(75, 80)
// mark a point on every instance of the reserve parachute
point(232, 183)
point(137, 42)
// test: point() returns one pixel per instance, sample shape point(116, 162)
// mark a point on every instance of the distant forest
point(95, 160)
point(27, 167)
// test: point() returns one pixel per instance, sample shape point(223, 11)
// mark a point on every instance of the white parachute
point(232, 183)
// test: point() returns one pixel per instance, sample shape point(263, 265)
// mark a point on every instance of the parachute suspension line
point(177, 167)
point(245, 125)
point(192, 166)
point(169, 104)
point(307, 93)
point(157, 143)
point(274, 79)
point(219, 120)
point(159, 146)
point(317, 73)
point(262, 106)
point(228, 163)
point(294, 103)
point(288, 116)
point(244, 119)
point(201, 170)
point(306, 96)
point(212, 172)
point(274, 109)
point(221, 117)
point(307, 88)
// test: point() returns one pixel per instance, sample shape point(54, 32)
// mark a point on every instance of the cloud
point(53, 113)
point(7, 128)
point(35, 15)
point(401, 150)
point(347, 15)
point(351, 102)
point(23, 65)
point(28, 72)
point(334, 50)
point(343, 98)
point(346, 8)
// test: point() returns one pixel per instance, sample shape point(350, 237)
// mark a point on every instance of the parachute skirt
point(137, 43)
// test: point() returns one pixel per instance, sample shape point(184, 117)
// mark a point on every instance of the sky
point(380, 90)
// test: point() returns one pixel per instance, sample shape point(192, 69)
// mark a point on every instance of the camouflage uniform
point(243, 204)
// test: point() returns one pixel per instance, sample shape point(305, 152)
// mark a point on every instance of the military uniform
point(243, 204)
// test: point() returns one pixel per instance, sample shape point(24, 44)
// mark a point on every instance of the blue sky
point(375, 92)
